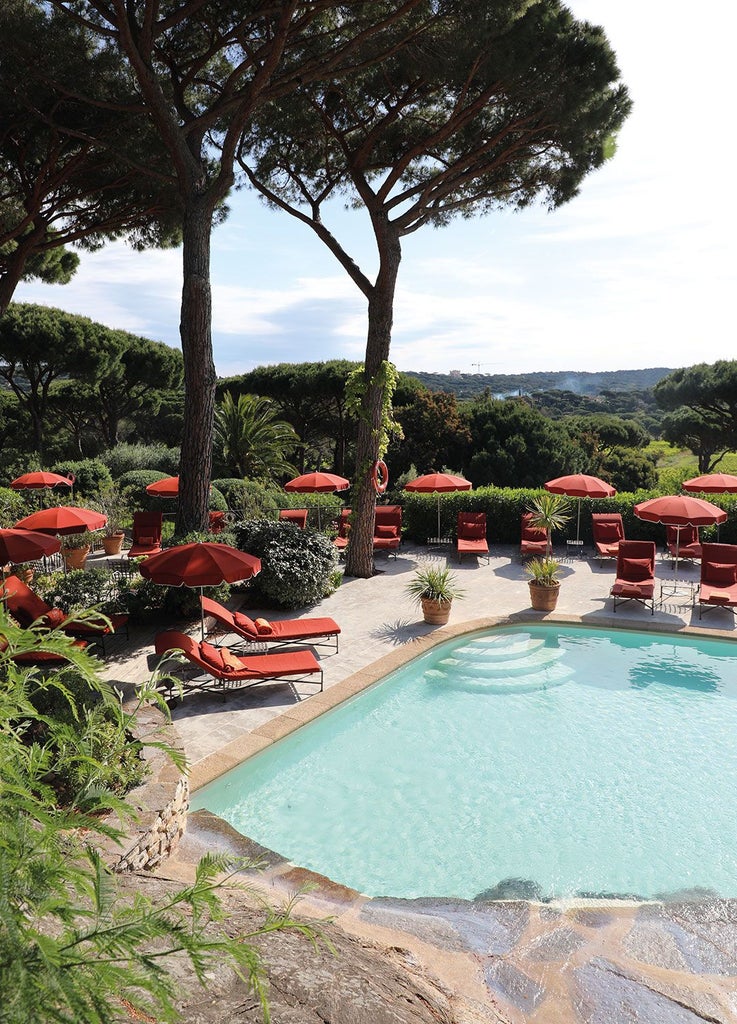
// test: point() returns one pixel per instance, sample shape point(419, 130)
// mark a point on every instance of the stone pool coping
point(237, 751)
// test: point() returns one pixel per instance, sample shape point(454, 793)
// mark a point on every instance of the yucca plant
point(434, 583)
point(549, 512)
point(543, 571)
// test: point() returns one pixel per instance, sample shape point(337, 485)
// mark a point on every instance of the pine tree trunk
point(195, 465)
point(360, 553)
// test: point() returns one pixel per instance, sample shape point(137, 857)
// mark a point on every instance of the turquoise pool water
point(573, 761)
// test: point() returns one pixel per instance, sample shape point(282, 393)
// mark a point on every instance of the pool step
point(536, 661)
point(551, 675)
point(520, 648)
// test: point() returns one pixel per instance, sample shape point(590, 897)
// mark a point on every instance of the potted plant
point(113, 504)
point(549, 512)
point(544, 583)
point(434, 587)
point(74, 549)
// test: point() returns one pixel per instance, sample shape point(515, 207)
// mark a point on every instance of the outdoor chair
point(718, 585)
point(344, 528)
point(275, 633)
point(39, 658)
point(471, 535)
point(533, 539)
point(215, 521)
point(635, 579)
point(388, 528)
point(683, 544)
point(298, 516)
point(608, 530)
point(26, 607)
point(146, 534)
point(225, 668)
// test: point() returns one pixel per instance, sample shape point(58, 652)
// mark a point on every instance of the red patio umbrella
point(679, 510)
point(63, 520)
point(438, 483)
point(317, 483)
point(579, 485)
point(711, 483)
point(166, 488)
point(205, 564)
point(25, 546)
point(37, 481)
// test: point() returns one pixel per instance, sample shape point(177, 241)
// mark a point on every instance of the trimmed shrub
point(134, 485)
point(12, 507)
point(248, 498)
point(125, 458)
point(90, 475)
point(297, 566)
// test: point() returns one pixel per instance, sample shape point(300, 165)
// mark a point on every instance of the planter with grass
point(433, 588)
point(544, 583)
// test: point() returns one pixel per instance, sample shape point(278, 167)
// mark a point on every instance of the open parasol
point(679, 510)
point(438, 483)
point(579, 485)
point(205, 564)
point(317, 483)
point(36, 481)
point(63, 520)
point(26, 546)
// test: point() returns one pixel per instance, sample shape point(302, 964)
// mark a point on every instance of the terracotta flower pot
point(543, 598)
point(435, 612)
point(113, 543)
point(75, 558)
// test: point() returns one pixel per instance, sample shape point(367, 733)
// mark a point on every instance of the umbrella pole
point(439, 533)
point(202, 614)
point(578, 521)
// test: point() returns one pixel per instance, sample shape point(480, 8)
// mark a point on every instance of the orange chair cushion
point(212, 655)
point(607, 531)
point(636, 569)
point(147, 540)
point(54, 618)
point(472, 531)
point(722, 573)
point(245, 623)
point(263, 627)
point(386, 532)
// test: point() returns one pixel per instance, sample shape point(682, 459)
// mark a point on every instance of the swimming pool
point(543, 760)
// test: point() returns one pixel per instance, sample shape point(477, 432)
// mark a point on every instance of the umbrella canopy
point(317, 483)
point(579, 485)
point(37, 481)
point(205, 564)
point(679, 510)
point(711, 483)
point(63, 520)
point(166, 488)
point(438, 483)
point(25, 545)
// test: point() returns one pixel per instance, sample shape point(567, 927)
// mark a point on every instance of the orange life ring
point(380, 476)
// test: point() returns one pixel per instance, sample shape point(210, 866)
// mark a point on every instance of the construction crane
point(479, 365)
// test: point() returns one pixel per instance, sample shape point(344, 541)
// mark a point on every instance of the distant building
point(454, 373)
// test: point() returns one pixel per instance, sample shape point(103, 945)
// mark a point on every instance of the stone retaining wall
point(160, 804)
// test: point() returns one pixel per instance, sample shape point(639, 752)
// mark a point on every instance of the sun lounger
point(27, 608)
point(608, 530)
point(533, 539)
point(471, 535)
point(388, 528)
point(322, 632)
point(146, 534)
point(683, 544)
point(226, 669)
point(718, 586)
point(297, 516)
point(635, 580)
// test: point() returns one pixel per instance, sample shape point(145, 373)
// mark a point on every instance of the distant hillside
point(468, 385)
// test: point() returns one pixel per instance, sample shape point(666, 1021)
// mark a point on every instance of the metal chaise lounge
point(533, 539)
point(607, 530)
point(718, 587)
point(147, 528)
point(226, 669)
point(27, 608)
point(683, 543)
point(275, 633)
point(635, 580)
point(471, 535)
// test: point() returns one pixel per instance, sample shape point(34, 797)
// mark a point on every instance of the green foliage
point(435, 583)
point(543, 571)
point(251, 441)
point(297, 566)
point(127, 457)
point(134, 484)
point(12, 507)
point(629, 469)
point(549, 512)
point(473, 385)
point(249, 497)
point(113, 503)
point(91, 476)
point(79, 589)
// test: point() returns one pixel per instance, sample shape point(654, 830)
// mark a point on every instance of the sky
point(639, 270)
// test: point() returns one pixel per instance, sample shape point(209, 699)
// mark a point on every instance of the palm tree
point(251, 441)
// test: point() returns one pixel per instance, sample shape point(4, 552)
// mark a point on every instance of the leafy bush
point(80, 589)
point(297, 566)
point(90, 476)
point(126, 458)
point(249, 498)
point(134, 483)
point(12, 507)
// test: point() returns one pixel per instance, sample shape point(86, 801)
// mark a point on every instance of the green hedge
point(504, 507)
